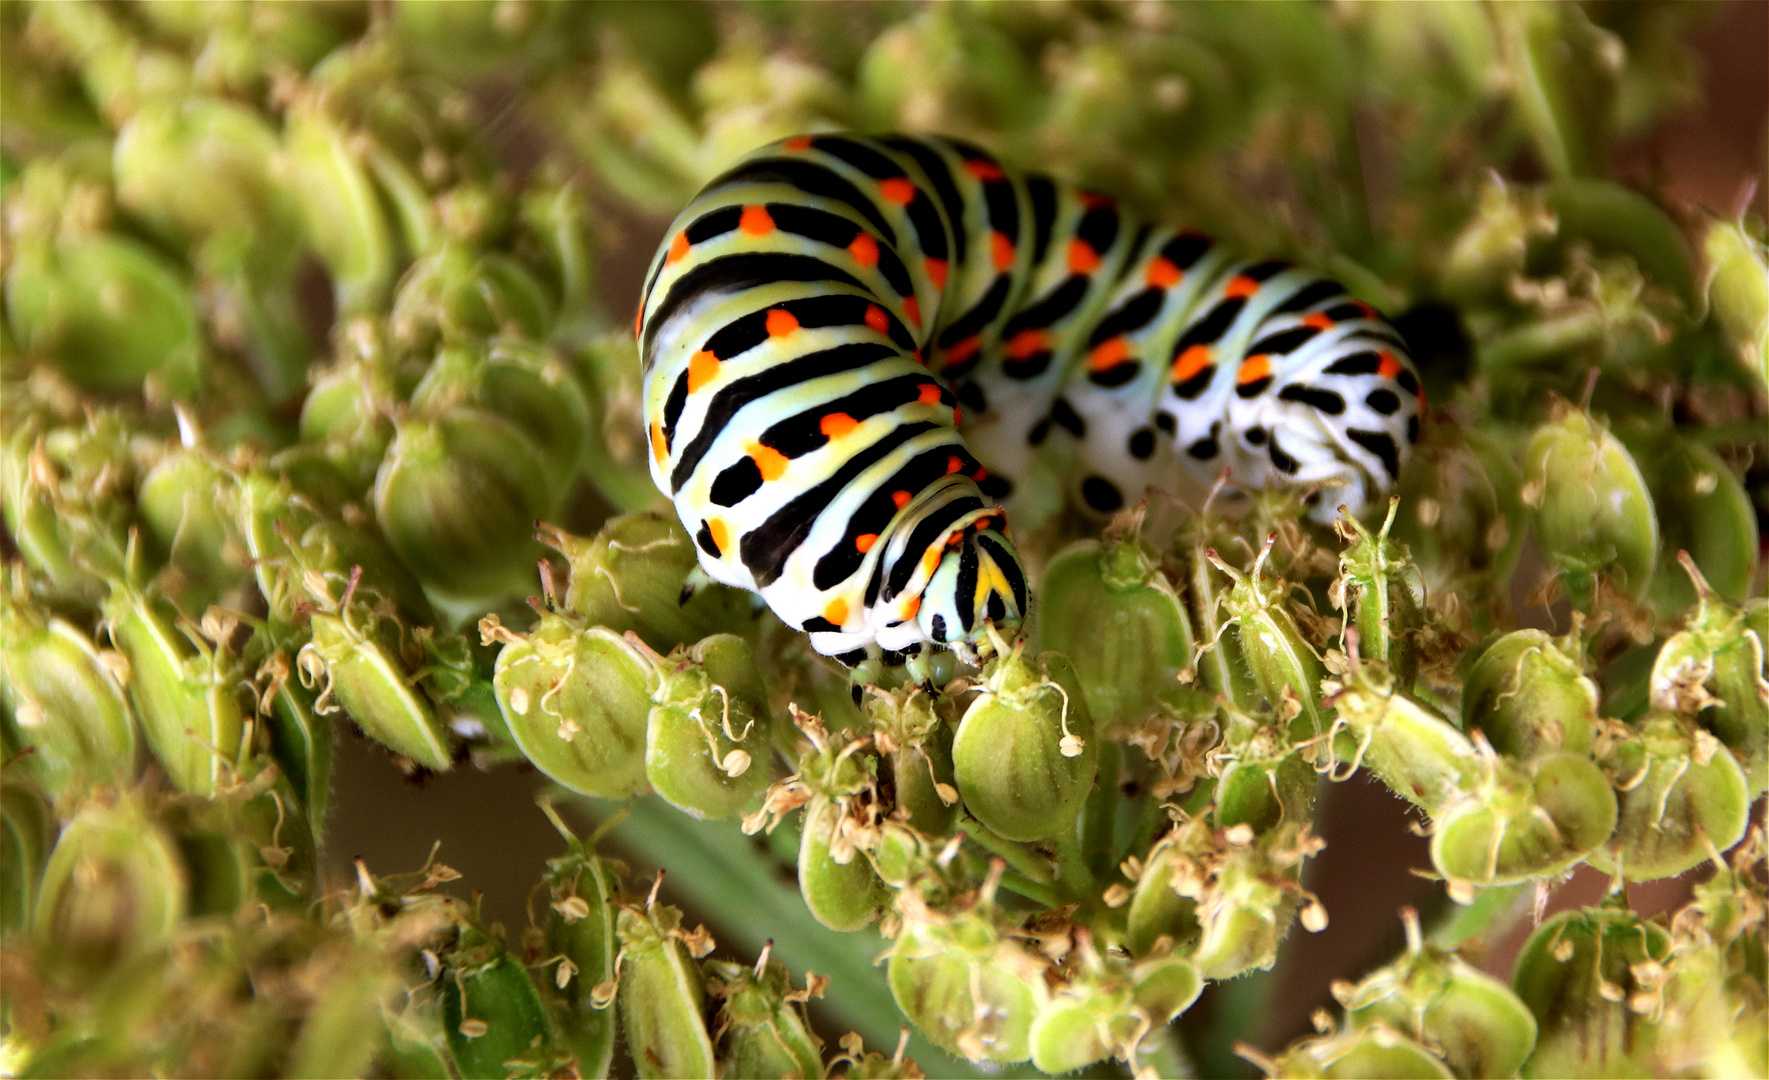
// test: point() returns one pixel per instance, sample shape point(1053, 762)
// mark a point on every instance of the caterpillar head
point(979, 581)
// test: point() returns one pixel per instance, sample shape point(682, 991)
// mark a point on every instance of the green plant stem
point(1492, 913)
point(1014, 854)
point(1031, 890)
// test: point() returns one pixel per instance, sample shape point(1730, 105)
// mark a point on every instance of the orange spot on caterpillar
point(638, 320)
point(1002, 250)
point(836, 612)
point(963, 350)
point(953, 465)
point(1163, 273)
point(936, 272)
point(898, 189)
point(864, 542)
point(721, 534)
point(1108, 353)
point(980, 475)
point(957, 415)
point(703, 367)
point(1241, 285)
point(1253, 369)
point(769, 461)
point(912, 308)
point(929, 394)
point(837, 424)
point(1388, 367)
point(798, 144)
point(1188, 363)
point(659, 449)
point(911, 606)
point(877, 319)
point(756, 221)
point(1026, 343)
point(781, 322)
point(678, 248)
point(1369, 312)
point(901, 498)
point(865, 250)
point(984, 170)
point(1093, 200)
point(1320, 320)
point(1082, 258)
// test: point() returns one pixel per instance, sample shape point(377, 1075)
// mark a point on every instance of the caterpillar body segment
point(856, 350)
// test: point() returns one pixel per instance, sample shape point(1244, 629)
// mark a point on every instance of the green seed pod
point(1704, 510)
point(1737, 288)
point(185, 501)
point(761, 1022)
point(1278, 656)
point(1739, 716)
point(350, 406)
point(617, 456)
point(1588, 976)
point(457, 498)
point(1491, 247)
point(1610, 217)
point(1265, 784)
point(837, 785)
point(841, 894)
point(1025, 754)
point(233, 200)
point(455, 295)
point(1418, 754)
point(970, 988)
point(707, 738)
point(525, 383)
point(344, 219)
point(1377, 1052)
point(555, 217)
point(1593, 514)
point(1157, 910)
point(1524, 820)
point(1461, 515)
point(579, 936)
point(27, 832)
point(492, 1014)
point(65, 494)
point(1243, 915)
point(1107, 1008)
point(917, 751)
point(1374, 584)
point(638, 574)
point(1682, 798)
point(185, 686)
point(1471, 1019)
point(343, 1032)
point(1528, 693)
point(300, 737)
point(108, 312)
point(364, 678)
point(64, 700)
point(114, 887)
point(1111, 611)
point(576, 700)
point(662, 997)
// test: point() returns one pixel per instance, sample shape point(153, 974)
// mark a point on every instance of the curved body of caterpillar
point(841, 333)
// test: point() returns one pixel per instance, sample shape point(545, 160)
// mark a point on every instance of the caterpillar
point(855, 351)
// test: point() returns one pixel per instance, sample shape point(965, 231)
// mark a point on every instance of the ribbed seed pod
point(349, 408)
point(761, 1022)
point(455, 294)
point(1738, 289)
point(1524, 819)
point(1025, 753)
point(64, 701)
point(492, 1014)
point(1375, 587)
point(835, 877)
point(579, 936)
point(357, 671)
point(708, 735)
point(576, 700)
point(1279, 657)
point(345, 223)
point(1492, 246)
point(1593, 513)
point(1581, 974)
point(1110, 610)
point(1157, 910)
point(662, 995)
point(343, 1032)
point(1106, 1008)
point(1528, 694)
point(1704, 510)
point(186, 501)
point(185, 685)
point(1418, 754)
point(300, 736)
point(114, 887)
point(965, 983)
point(1219, 661)
point(27, 832)
point(1376, 1052)
point(66, 491)
point(917, 748)
point(639, 573)
point(1461, 515)
point(1472, 1020)
point(1683, 797)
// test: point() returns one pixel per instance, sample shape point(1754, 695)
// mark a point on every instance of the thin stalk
point(1072, 871)
point(1493, 912)
point(1014, 854)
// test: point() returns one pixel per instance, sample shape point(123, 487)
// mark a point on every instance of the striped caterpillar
point(856, 350)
